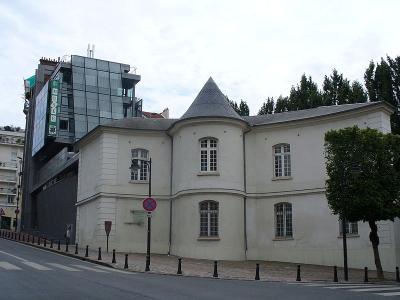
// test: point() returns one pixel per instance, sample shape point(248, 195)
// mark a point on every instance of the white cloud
point(253, 49)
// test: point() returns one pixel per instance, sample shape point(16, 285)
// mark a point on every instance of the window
point(208, 155)
point(208, 219)
point(282, 160)
point(13, 156)
point(351, 228)
point(142, 156)
point(63, 124)
point(283, 220)
point(10, 199)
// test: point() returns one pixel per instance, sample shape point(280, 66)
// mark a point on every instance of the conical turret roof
point(210, 102)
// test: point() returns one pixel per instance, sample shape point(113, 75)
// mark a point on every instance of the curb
point(112, 266)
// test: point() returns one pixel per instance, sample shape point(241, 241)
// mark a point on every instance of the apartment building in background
point(11, 155)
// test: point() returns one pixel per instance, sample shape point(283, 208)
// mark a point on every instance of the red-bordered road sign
point(17, 211)
point(149, 204)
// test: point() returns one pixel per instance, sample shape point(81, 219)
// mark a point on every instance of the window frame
point(285, 159)
point(350, 226)
point(142, 174)
point(208, 149)
point(210, 232)
point(285, 212)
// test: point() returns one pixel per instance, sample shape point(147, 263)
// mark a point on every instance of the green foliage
point(305, 95)
point(242, 109)
point(267, 107)
point(357, 93)
point(336, 89)
point(363, 166)
point(282, 104)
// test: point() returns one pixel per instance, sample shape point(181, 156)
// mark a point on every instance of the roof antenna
point(90, 51)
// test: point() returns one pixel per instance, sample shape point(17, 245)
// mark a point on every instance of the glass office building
point(89, 92)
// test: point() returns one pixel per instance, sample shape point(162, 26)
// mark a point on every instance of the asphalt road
point(31, 273)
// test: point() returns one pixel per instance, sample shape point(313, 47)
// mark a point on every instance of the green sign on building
point(54, 89)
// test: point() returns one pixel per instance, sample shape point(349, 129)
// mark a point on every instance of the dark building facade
point(70, 98)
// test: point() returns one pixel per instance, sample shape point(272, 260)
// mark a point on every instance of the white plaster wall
point(315, 235)
point(186, 228)
point(132, 234)
point(186, 157)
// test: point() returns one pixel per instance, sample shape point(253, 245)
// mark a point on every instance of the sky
point(252, 49)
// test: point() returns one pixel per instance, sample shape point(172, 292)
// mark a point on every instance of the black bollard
point(59, 246)
point(215, 275)
point(298, 278)
point(335, 278)
point(66, 246)
point(113, 259)
point(365, 274)
point(179, 266)
point(87, 251)
point(45, 242)
point(19, 236)
point(51, 243)
point(38, 240)
point(257, 272)
point(126, 261)
point(76, 248)
point(397, 274)
point(99, 257)
point(23, 237)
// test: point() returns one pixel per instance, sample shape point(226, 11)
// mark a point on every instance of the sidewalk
point(165, 264)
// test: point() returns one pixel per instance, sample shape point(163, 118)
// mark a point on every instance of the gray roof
point(210, 102)
point(305, 113)
point(141, 124)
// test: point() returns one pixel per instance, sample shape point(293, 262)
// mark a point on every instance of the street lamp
point(136, 165)
point(18, 193)
point(345, 184)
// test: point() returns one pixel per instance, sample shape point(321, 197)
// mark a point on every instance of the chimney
point(165, 113)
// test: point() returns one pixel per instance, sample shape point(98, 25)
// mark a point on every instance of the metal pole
point(344, 236)
point(107, 243)
point(148, 224)
point(18, 193)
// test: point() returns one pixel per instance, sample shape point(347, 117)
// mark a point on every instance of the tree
point(305, 95)
point(370, 81)
point(267, 107)
point(363, 166)
point(282, 104)
point(336, 89)
point(357, 93)
point(243, 108)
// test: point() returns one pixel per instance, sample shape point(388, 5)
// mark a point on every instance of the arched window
point(141, 173)
point(208, 155)
point(282, 163)
point(283, 220)
point(209, 218)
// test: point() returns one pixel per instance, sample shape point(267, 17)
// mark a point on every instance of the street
point(31, 273)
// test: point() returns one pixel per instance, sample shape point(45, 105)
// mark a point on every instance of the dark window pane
point(80, 126)
point(115, 68)
point(92, 104)
point(79, 102)
point(63, 124)
point(78, 78)
point(102, 65)
point(90, 63)
point(92, 122)
point(78, 61)
point(91, 77)
point(105, 106)
point(103, 79)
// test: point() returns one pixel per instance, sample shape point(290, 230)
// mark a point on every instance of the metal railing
point(8, 191)
point(8, 178)
point(11, 141)
point(8, 164)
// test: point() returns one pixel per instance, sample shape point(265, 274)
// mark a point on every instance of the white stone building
point(11, 152)
point(228, 187)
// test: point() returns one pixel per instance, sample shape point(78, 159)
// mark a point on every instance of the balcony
point(8, 191)
point(8, 165)
point(9, 179)
point(9, 140)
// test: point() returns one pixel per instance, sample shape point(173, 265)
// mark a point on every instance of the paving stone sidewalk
point(168, 264)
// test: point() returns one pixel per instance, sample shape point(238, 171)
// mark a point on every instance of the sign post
point(107, 227)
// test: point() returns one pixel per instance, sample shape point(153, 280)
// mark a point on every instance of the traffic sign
point(2, 213)
point(17, 211)
point(149, 204)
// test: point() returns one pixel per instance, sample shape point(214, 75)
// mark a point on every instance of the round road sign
point(17, 211)
point(149, 204)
